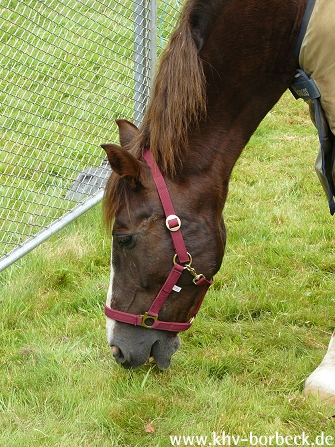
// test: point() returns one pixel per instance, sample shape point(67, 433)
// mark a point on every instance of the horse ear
point(123, 163)
point(201, 19)
point(127, 131)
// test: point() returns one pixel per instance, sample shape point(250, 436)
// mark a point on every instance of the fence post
point(144, 53)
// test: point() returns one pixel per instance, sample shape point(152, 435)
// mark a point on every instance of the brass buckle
point(147, 317)
point(173, 217)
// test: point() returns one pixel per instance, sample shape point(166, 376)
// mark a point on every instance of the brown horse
point(227, 64)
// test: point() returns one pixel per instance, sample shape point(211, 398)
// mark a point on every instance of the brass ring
point(176, 256)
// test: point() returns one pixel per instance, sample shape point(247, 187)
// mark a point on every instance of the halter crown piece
point(182, 261)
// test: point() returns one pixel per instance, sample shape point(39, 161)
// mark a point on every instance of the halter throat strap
point(182, 261)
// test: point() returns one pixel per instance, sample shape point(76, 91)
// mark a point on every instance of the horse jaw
point(321, 383)
point(158, 349)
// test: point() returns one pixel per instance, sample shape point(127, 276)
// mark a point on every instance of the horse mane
point(178, 100)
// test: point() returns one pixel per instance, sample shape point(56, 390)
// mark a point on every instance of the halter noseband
point(182, 261)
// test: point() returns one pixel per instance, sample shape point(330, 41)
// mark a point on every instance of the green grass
point(263, 328)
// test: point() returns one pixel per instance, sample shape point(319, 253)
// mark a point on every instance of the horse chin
point(133, 346)
point(162, 353)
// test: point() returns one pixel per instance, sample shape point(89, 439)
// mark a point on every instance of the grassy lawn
point(263, 328)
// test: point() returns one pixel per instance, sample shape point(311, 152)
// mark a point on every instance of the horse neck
point(217, 145)
point(246, 74)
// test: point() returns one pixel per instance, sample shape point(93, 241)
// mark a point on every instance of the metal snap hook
point(190, 269)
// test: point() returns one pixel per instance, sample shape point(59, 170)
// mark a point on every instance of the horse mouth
point(120, 359)
point(160, 354)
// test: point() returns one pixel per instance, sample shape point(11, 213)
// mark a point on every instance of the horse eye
point(125, 240)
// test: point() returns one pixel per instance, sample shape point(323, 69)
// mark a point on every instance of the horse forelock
point(116, 195)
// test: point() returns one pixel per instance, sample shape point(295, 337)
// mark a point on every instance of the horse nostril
point(116, 352)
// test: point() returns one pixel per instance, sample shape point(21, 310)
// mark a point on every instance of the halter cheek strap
point(181, 261)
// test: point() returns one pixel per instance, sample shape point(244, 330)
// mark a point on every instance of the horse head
point(143, 255)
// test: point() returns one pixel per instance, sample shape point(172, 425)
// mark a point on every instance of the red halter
point(150, 319)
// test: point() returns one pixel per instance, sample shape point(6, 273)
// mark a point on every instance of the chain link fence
point(68, 70)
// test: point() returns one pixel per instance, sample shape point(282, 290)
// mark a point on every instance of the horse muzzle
point(133, 346)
